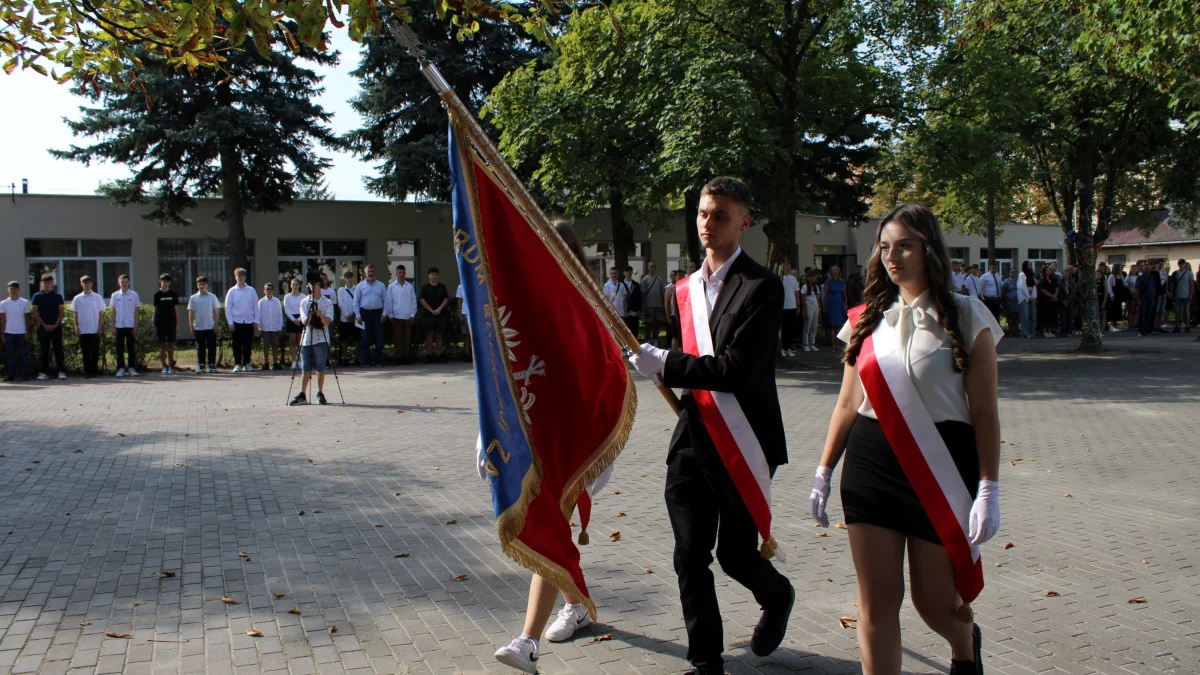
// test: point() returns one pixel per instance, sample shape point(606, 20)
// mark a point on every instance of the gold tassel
point(964, 614)
point(767, 550)
point(584, 539)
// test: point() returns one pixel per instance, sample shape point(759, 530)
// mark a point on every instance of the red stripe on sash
point(727, 447)
point(968, 573)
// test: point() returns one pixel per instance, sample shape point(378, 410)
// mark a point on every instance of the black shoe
point(10, 378)
point(705, 671)
point(968, 667)
point(300, 399)
point(321, 398)
point(772, 626)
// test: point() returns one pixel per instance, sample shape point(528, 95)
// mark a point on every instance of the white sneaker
point(810, 348)
point(120, 373)
point(570, 619)
point(237, 369)
point(165, 371)
point(62, 376)
point(249, 368)
point(132, 372)
point(170, 370)
point(42, 376)
point(783, 353)
point(521, 653)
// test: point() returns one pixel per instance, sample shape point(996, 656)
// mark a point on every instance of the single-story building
point(1151, 236)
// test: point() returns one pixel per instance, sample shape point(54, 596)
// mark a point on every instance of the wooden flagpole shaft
point(524, 201)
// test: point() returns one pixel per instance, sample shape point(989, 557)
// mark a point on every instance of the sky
point(32, 122)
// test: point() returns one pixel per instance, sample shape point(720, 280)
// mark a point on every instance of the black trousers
point(51, 340)
point(789, 328)
point(632, 322)
point(206, 347)
point(706, 511)
point(243, 343)
point(89, 348)
point(126, 342)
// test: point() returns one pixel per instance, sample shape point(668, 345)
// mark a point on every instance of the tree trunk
point(616, 214)
point(1083, 249)
point(231, 195)
point(691, 207)
point(991, 226)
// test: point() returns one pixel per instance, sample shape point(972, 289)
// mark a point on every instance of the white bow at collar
point(919, 310)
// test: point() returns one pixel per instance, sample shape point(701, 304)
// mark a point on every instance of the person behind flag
point(522, 653)
point(721, 457)
point(917, 420)
point(347, 330)
point(615, 291)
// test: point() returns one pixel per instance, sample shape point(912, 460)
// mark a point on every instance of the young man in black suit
point(704, 505)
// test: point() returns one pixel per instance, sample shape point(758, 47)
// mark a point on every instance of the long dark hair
point(881, 292)
point(1027, 270)
point(569, 236)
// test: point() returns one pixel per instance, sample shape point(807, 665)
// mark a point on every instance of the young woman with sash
point(917, 420)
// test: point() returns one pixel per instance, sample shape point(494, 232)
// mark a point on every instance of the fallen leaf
point(1137, 601)
point(599, 638)
point(397, 494)
point(1067, 495)
point(848, 622)
point(1050, 594)
point(643, 476)
point(401, 555)
point(828, 579)
point(279, 594)
point(317, 511)
point(121, 435)
point(77, 451)
point(167, 573)
point(36, 461)
point(1145, 562)
point(378, 524)
point(458, 577)
point(822, 533)
point(1049, 470)
point(620, 514)
point(1082, 436)
point(572, 524)
point(309, 461)
point(332, 630)
point(254, 633)
point(840, 526)
point(243, 554)
point(616, 492)
point(649, 571)
point(997, 564)
point(229, 601)
point(452, 521)
point(181, 465)
point(123, 636)
point(300, 512)
point(399, 412)
point(29, 468)
point(1017, 459)
point(615, 536)
point(433, 409)
point(437, 468)
point(85, 623)
point(294, 611)
point(1009, 545)
point(1012, 443)
point(1010, 463)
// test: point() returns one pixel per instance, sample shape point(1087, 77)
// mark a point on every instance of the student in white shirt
point(399, 308)
point(791, 296)
point(204, 311)
point(1027, 299)
point(16, 323)
point(88, 308)
point(348, 333)
point(316, 313)
point(615, 291)
point(292, 323)
point(810, 297)
point(989, 290)
point(270, 325)
point(952, 365)
point(241, 313)
point(124, 305)
point(958, 279)
point(971, 281)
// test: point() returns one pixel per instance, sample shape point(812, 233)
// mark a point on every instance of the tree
point(1083, 121)
point(247, 136)
point(405, 125)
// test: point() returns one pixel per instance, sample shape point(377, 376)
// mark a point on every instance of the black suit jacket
point(745, 328)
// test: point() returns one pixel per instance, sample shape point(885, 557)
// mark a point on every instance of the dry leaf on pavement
point(332, 630)
point(1009, 545)
point(1067, 495)
point(378, 524)
point(458, 577)
point(254, 633)
point(452, 521)
point(1137, 601)
point(123, 636)
point(599, 638)
point(616, 492)
point(649, 571)
point(1050, 594)
point(229, 601)
point(243, 554)
point(294, 611)
point(840, 526)
point(848, 622)
point(167, 573)
point(620, 514)
point(615, 536)
point(85, 623)
point(300, 512)
point(279, 594)
point(822, 533)
point(400, 555)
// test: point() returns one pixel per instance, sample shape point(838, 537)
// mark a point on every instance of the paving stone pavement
point(106, 483)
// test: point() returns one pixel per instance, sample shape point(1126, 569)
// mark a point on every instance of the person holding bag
point(917, 420)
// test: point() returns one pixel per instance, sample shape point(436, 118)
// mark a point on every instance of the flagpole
point(525, 202)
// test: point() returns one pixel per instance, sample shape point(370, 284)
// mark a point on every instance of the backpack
point(633, 296)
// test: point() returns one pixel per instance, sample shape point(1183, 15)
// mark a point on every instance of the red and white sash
point(920, 450)
point(727, 425)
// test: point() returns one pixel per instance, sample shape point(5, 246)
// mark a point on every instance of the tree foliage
point(248, 136)
point(404, 123)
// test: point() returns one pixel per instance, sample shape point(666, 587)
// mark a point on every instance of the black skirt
point(293, 328)
point(875, 490)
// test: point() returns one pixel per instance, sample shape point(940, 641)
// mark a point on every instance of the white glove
point(985, 513)
point(819, 497)
point(650, 361)
point(480, 458)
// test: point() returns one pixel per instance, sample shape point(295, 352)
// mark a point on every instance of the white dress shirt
point(989, 285)
point(314, 335)
point(713, 283)
point(87, 308)
point(615, 292)
point(791, 286)
point(346, 302)
point(125, 306)
point(401, 301)
point(241, 305)
point(925, 348)
point(1025, 292)
point(958, 280)
point(270, 315)
point(291, 304)
point(972, 284)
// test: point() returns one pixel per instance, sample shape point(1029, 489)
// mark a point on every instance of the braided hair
point(881, 292)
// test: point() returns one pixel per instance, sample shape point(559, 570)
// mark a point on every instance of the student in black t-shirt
point(166, 322)
point(48, 313)
point(432, 301)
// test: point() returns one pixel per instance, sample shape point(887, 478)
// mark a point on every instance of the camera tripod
point(328, 359)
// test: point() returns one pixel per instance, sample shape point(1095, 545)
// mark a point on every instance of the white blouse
point(927, 354)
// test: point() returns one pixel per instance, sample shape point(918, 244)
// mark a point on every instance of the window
point(601, 256)
point(298, 257)
point(959, 254)
point(69, 259)
point(403, 253)
point(186, 259)
point(675, 259)
point(1117, 258)
point(1039, 256)
point(1004, 259)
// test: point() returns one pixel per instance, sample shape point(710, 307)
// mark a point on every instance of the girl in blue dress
point(834, 301)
